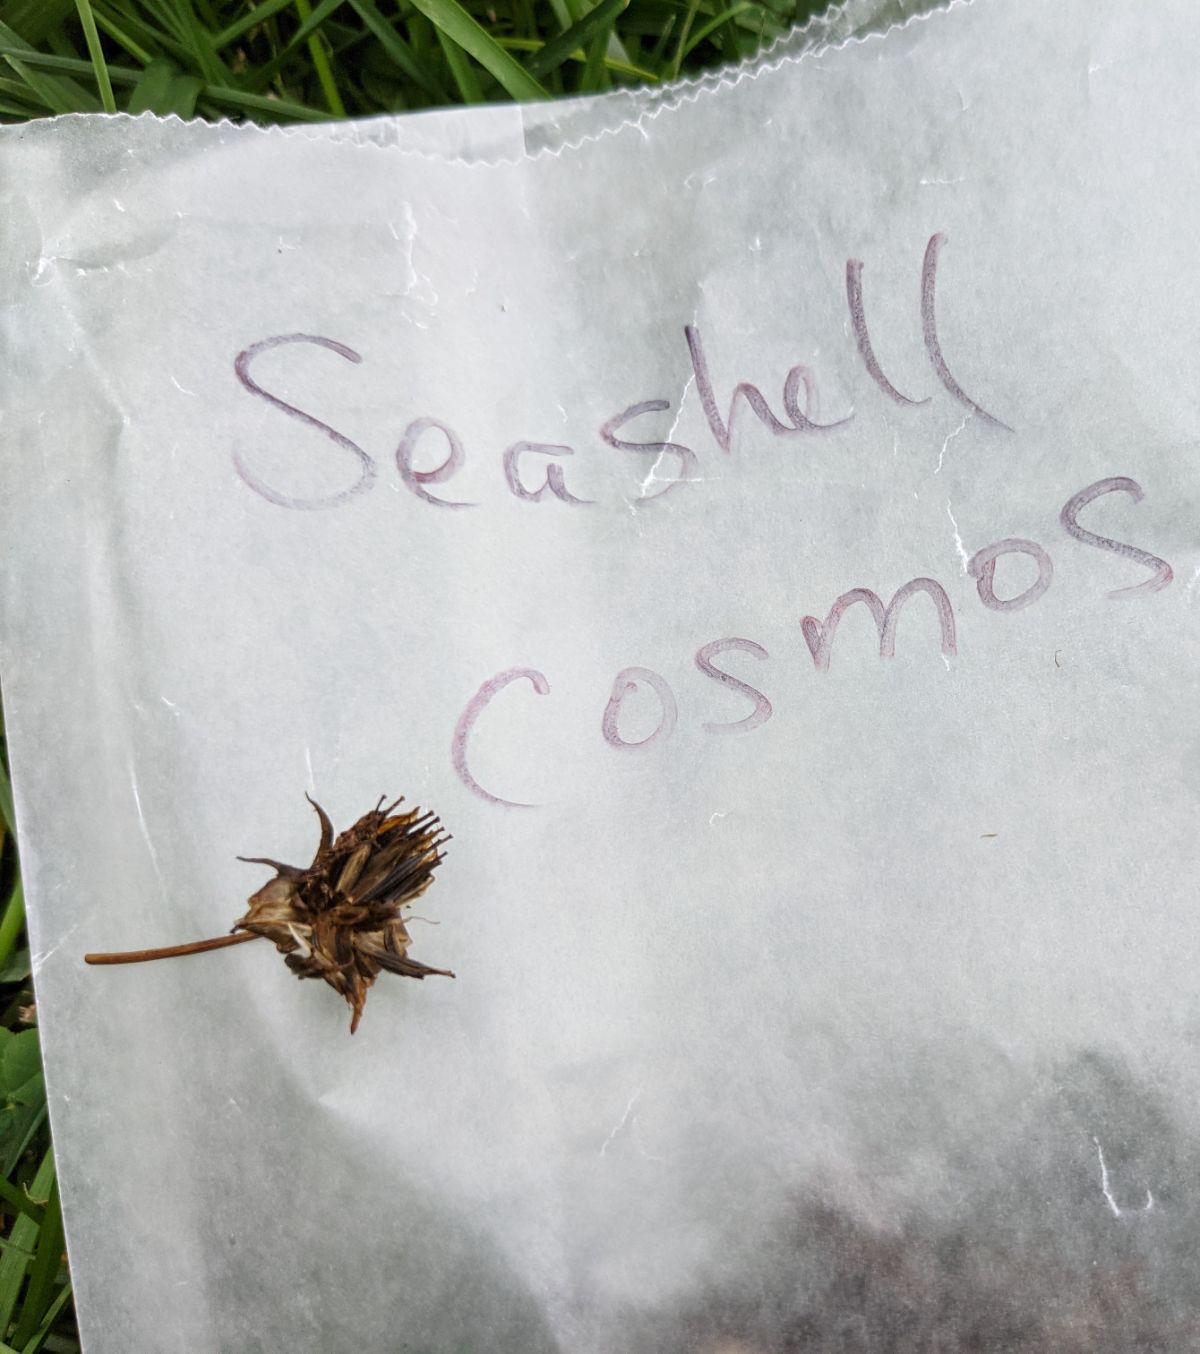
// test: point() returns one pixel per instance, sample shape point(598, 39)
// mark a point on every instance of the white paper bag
point(763, 528)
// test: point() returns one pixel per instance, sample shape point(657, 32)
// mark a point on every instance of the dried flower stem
point(170, 951)
point(341, 918)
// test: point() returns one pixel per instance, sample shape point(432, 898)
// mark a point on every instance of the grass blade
point(58, 95)
point(25, 1233)
point(43, 1272)
point(450, 17)
point(119, 36)
point(181, 15)
point(461, 69)
point(140, 39)
point(712, 25)
point(35, 20)
point(20, 1202)
point(60, 1344)
point(264, 74)
point(282, 109)
point(19, 112)
point(595, 77)
point(92, 38)
point(164, 90)
point(594, 23)
point(6, 801)
point(47, 61)
point(42, 1335)
point(604, 61)
point(681, 47)
point(259, 14)
point(50, 94)
point(320, 60)
point(563, 16)
point(395, 46)
point(11, 922)
point(30, 1134)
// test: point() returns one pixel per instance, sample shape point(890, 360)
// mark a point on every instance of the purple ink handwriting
point(819, 636)
point(416, 480)
point(466, 723)
point(762, 706)
point(625, 684)
point(1069, 517)
point(546, 476)
point(982, 568)
point(531, 470)
point(367, 467)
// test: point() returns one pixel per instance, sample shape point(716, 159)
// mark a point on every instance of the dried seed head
point(341, 918)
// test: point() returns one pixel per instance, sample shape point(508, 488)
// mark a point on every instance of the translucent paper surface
point(762, 524)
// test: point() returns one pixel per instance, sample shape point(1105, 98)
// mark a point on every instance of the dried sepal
point(341, 918)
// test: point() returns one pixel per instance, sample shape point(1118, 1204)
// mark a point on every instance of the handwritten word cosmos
point(819, 636)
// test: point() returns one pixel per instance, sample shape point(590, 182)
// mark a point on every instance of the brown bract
point(341, 917)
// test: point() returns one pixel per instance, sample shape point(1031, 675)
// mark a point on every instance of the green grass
point(280, 61)
point(35, 1288)
point(312, 60)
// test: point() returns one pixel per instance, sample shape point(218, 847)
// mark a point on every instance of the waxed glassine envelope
point(764, 533)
